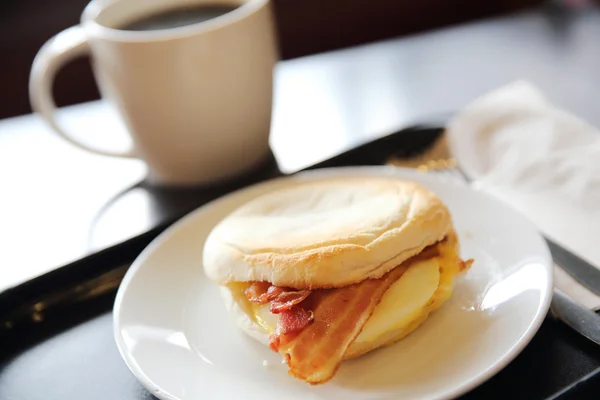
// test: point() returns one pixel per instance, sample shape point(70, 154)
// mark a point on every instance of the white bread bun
point(324, 234)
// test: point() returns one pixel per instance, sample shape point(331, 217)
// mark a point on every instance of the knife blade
point(582, 271)
point(578, 317)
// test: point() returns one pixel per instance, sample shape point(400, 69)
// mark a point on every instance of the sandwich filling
point(314, 330)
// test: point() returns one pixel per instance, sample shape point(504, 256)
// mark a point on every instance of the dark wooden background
point(304, 27)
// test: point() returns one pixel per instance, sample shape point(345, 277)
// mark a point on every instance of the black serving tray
point(56, 339)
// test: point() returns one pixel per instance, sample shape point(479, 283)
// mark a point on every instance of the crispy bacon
point(274, 342)
point(313, 337)
point(289, 324)
point(316, 328)
point(282, 299)
point(256, 289)
point(286, 300)
point(294, 320)
point(465, 265)
point(315, 352)
point(262, 292)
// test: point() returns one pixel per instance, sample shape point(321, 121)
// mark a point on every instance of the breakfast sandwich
point(331, 269)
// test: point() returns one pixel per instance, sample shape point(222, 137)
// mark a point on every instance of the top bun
point(326, 233)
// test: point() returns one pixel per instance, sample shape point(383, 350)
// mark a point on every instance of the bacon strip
point(465, 265)
point(255, 290)
point(290, 322)
point(294, 320)
point(286, 300)
point(282, 299)
point(316, 351)
point(262, 292)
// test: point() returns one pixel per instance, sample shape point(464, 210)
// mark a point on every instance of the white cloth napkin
point(543, 161)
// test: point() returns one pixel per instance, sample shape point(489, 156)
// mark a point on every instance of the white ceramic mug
point(196, 99)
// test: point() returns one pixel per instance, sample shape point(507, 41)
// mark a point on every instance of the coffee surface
point(178, 17)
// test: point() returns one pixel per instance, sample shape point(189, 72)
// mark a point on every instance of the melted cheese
point(423, 288)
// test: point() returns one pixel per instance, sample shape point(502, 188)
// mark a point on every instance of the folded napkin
point(543, 161)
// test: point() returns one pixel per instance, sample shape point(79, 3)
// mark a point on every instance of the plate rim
point(390, 171)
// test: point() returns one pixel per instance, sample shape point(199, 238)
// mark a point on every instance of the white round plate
point(173, 332)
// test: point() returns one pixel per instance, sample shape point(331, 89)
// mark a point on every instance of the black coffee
point(179, 17)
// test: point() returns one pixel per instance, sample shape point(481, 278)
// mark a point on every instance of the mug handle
point(55, 53)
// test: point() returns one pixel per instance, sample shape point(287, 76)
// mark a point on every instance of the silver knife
point(578, 317)
point(582, 271)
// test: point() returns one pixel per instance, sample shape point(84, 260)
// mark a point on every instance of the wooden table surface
point(54, 197)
